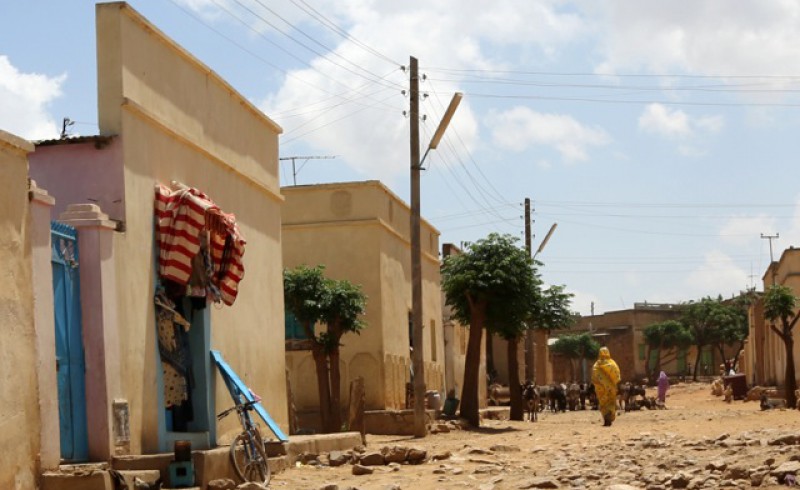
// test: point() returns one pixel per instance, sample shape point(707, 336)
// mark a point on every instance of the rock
point(541, 482)
point(503, 448)
point(308, 458)
point(359, 470)
point(757, 478)
point(329, 486)
point(478, 450)
point(486, 486)
point(680, 480)
point(416, 455)
point(251, 486)
point(441, 456)
point(394, 454)
point(717, 465)
point(784, 440)
point(789, 467)
point(372, 458)
point(394, 466)
point(737, 473)
point(393, 486)
point(221, 484)
point(622, 486)
point(338, 458)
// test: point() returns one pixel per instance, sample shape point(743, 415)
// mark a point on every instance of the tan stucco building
point(765, 353)
point(165, 117)
point(360, 232)
point(622, 332)
point(20, 426)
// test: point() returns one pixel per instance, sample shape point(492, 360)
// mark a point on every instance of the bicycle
point(247, 453)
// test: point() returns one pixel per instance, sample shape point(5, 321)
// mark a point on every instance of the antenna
point(305, 160)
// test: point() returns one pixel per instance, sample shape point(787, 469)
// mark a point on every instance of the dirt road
point(698, 442)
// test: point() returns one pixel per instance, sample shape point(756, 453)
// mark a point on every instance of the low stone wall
point(393, 422)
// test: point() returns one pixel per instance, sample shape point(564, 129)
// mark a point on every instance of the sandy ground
point(692, 413)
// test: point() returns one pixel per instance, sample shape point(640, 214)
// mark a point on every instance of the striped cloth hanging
point(181, 214)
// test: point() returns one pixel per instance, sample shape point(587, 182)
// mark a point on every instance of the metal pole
point(416, 261)
point(530, 356)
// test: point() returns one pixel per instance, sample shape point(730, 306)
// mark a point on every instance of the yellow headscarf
point(605, 377)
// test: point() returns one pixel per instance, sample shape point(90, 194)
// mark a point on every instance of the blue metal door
point(70, 362)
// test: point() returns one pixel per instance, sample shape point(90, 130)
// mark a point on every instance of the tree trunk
point(514, 388)
point(323, 385)
point(697, 361)
point(791, 381)
point(647, 361)
point(335, 416)
point(472, 361)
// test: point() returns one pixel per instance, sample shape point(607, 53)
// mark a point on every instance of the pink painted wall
point(79, 173)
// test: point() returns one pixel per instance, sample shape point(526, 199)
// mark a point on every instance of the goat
point(770, 403)
point(530, 398)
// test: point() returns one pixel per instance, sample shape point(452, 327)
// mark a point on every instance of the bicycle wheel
point(249, 458)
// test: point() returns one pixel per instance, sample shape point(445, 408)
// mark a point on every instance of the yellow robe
point(605, 377)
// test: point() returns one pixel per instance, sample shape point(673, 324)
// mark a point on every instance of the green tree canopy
point(339, 304)
point(491, 285)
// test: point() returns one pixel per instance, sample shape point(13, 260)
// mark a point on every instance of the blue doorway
point(70, 361)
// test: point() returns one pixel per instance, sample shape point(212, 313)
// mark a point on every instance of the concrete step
point(78, 477)
point(320, 443)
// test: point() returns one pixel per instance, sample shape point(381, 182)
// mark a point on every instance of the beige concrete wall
point(359, 230)
point(19, 403)
point(786, 272)
point(177, 120)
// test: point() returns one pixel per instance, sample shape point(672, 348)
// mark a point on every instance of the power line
point(613, 75)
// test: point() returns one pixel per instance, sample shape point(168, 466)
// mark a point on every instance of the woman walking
point(605, 377)
point(663, 386)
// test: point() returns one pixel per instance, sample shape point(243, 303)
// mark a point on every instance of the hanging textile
point(173, 345)
point(182, 215)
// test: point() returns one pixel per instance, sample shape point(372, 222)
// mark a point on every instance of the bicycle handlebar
point(239, 407)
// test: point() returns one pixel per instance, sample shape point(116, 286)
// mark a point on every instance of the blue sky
point(662, 137)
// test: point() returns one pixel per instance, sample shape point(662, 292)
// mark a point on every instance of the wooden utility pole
point(420, 430)
point(530, 345)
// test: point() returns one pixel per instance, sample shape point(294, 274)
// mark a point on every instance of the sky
point(661, 137)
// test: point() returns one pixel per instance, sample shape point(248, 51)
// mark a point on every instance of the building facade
point(167, 120)
point(360, 231)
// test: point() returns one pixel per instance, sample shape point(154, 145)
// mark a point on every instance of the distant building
point(765, 354)
point(360, 231)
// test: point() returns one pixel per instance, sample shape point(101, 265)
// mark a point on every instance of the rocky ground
point(698, 442)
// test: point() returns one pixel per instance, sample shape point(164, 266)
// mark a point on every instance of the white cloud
point(718, 275)
point(741, 230)
point(659, 119)
point(706, 37)
point(521, 128)
point(23, 102)
point(375, 140)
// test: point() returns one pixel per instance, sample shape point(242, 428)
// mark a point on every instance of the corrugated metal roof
point(98, 140)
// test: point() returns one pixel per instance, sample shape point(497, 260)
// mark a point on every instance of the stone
point(393, 466)
point(541, 482)
point(737, 472)
point(680, 480)
point(393, 486)
point(441, 456)
point(394, 454)
point(622, 486)
point(329, 486)
point(503, 448)
point(221, 484)
point(784, 440)
point(359, 470)
point(251, 486)
point(717, 465)
point(372, 458)
point(338, 458)
point(308, 458)
point(416, 455)
point(789, 467)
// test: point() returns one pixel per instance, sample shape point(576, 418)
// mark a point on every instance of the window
point(294, 331)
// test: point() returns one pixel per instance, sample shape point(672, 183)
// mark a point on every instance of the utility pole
point(315, 157)
point(771, 259)
point(530, 345)
point(416, 259)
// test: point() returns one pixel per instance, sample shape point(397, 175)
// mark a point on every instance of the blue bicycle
point(248, 455)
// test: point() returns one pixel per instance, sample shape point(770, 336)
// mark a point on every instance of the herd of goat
point(560, 397)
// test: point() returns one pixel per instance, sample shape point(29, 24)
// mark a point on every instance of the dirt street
point(698, 442)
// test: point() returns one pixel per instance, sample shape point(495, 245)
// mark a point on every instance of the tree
point(665, 337)
point(312, 298)
point(490, 285)
point(575, 348)
point(734, 328)
point(779, 304)
point(704, 319)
